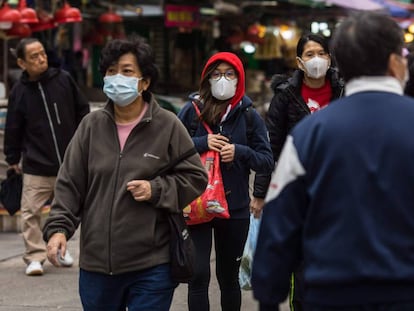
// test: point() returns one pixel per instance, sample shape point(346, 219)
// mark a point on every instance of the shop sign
point(181, 16)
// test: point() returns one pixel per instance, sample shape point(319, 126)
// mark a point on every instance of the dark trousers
point(229, 239)
point(148, 290)
point(395, 306)
point(297, 290)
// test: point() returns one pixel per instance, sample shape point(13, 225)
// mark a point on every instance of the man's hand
point(16, 168)
point(57, 241)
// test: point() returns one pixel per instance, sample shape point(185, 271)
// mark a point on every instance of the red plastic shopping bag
point(212, 203)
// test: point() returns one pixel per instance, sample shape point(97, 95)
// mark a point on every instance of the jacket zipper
point(52, 129)
point(57, 113)
point(301, 103)
point(112, 204)
point(113, 194)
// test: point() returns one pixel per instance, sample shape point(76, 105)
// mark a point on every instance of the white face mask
point(315, 67)
point(222, 88)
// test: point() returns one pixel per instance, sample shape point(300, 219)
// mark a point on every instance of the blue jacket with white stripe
point(342, 202)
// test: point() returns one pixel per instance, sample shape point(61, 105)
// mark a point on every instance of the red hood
point(235, 61)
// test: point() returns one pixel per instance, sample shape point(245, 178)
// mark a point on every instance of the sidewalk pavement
point(57, 289)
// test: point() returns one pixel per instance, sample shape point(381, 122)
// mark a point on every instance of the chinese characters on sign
point(181, 16)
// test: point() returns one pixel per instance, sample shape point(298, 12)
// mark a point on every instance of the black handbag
point(11, 191)
point(182, 250)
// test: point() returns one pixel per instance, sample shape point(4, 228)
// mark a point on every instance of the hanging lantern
point(28, 15)
point(68, 14)
point(19, 30)
point(8, 16)
point(46, 21)
point(110, 17)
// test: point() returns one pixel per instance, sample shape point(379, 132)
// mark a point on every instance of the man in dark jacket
point(341, 202)
point(44, 109)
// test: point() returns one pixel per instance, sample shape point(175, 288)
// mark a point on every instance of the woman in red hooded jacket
point(240, 136)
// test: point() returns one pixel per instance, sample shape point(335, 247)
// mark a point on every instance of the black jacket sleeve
point(13, 135)
point(261, 184)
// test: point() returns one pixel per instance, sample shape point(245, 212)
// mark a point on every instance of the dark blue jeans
point(394, 306)
point(147, 290)
point(229, 239)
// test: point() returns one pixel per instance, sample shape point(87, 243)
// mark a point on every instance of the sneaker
point(34, 268)
point(66, 261)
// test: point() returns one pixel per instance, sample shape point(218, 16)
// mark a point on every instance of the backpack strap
point(195, 121)
point(193, 125)
point(249, 123)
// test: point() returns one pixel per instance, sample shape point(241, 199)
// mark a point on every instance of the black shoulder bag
point(11, 191)
point(182, 250)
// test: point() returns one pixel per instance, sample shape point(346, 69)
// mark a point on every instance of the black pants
point(297, 290)
point(229, 239)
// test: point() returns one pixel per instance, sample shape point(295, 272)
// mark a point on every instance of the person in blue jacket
point(241, 138)
point(341, 199)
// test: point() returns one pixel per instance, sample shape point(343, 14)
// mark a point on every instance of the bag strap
point(248, 115)
point(202, 121)
point(249, 121)
point(182, 157)
point(194, 125)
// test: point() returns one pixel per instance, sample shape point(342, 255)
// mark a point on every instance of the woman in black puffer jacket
point(288, 106)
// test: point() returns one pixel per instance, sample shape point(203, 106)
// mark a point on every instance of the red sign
point(181, 15)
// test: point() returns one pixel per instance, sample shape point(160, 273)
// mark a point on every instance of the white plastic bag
point(245, 271)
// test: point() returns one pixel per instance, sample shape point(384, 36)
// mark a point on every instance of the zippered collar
point(47, 75)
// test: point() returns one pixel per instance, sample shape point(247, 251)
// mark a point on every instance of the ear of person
point(299, 64)
point(396, 66)
point(20, 63)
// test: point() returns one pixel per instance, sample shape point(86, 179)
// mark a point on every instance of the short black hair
point(136, 45)
point(20, 50)
point(305, 38)
point(363, 43)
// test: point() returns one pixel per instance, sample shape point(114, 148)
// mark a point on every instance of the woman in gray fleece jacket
point(109, 183)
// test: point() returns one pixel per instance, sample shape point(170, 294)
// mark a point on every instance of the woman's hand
point(140, 189)
point(256, 206)
point(227, 153)
point(216, 142)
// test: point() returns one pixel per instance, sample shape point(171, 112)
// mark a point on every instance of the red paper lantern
point(68, 14)
point(110, 17)
point(20, 30)
point(8, 14)
point(28, 15)
point(46, 21)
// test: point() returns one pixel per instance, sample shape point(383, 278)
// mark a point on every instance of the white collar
point(374, 83)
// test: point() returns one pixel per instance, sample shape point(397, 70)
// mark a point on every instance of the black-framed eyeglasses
point(228, 74)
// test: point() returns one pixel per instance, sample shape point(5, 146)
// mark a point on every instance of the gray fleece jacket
point(119, 234)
